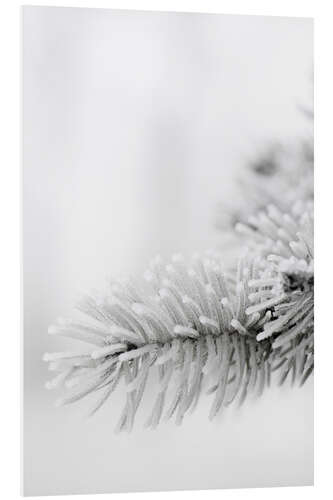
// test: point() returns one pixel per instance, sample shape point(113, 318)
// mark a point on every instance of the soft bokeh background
point(135, 125)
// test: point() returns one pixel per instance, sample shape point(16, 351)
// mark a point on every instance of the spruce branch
point(202, 328)
point(278, 175)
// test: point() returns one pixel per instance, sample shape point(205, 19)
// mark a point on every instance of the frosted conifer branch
point(201, 328)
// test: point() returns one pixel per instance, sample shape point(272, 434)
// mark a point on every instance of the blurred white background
point(135, 125)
